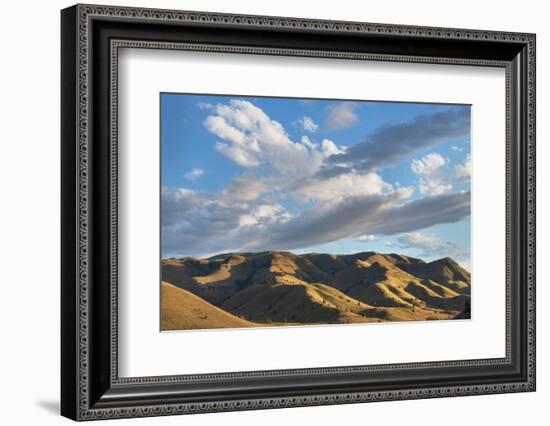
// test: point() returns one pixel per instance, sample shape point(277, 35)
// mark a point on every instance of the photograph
point(266, 208)
point(279, 211)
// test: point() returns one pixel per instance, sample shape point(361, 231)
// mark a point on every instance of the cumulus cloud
point(342, 186)
point(250, 138)
point(428, 168)
point(238, 154)
point(330, 148)
point(324, 204)
point(340, 116)
point(456, 148)
point(325, 149)
point(394, 143)
point(306, 141)
point(428, 165)
point(308, 124)
point(194, 174)
point(205, 105)
point(265, 214)
point(195, 222)
point(464, 170)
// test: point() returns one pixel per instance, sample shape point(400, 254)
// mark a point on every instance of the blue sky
point(250, 174)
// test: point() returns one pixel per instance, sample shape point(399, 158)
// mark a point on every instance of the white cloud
point(429, 169)
point(428, 165)
point(330, 148)
point(327, 148)
point(308, 124)
point(238, 154)
point(430, 246)
point(342, 186)
point(194, 174)
point(456, 148)
point(197, 222)
point(249, 213)
point(252, 139)
point(433, 187)
point(416, 239)
point(464, 170)
point(309, 143)
point(224, 130)
point(205, 105)
point(265, 214)
point(367, 237)
point(341, 116)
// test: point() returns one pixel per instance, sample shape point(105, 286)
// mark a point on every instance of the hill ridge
point(283, 287)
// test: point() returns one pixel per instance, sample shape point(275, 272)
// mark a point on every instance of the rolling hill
point(182, 310)
point(270, 288)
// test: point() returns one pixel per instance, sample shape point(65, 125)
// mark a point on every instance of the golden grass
point(280, 288)
point(182, 310)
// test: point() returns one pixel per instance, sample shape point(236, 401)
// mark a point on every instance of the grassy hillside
point(182, 310)
point(283, 288)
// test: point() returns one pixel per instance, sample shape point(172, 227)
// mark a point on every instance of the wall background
point(29, 211)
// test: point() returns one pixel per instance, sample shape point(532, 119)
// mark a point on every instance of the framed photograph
point(263, 212)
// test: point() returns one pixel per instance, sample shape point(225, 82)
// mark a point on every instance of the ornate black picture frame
point(91, 387)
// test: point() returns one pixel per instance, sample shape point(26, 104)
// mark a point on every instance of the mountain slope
point(297, 303)
point(182, 310)
point(281, 287)
point(443, 271)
